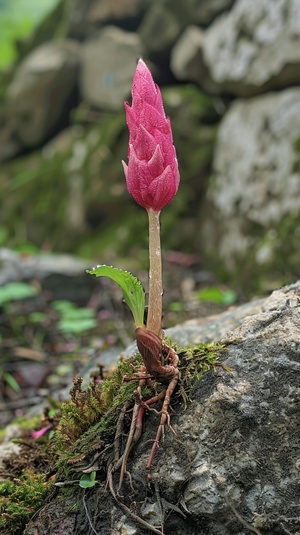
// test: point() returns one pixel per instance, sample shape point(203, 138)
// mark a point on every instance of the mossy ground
point(85, 430)
point(19, 499)
point(25, 482)
point(88, 419)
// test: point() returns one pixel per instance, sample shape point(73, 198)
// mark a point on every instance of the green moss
point(19, 499)
point(194, 362)
point(89, 418)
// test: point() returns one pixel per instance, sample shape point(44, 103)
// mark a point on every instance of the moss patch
point(19, 499)
point(86, 434)
point(88, 420)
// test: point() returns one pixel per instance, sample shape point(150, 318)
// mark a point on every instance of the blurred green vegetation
point(103, 222)
point(70, 195)
point(18, 19)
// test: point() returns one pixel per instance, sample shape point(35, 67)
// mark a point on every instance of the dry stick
point(240, 518)
point(92, 466)
point(117, 462)
point(155, 275)
point(130, 441)
point(128, 444)
point(126, 510)
point(119, 431)
point(88, 516)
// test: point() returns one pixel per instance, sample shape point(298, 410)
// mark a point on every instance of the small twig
point(285, 530)
point(48, 500)
point(133, 436)
point(119, 431)
point(240, 518)
point(128, 444)
point(66, 483)
point(126, 510)
point(88, 516)
point(90, 467)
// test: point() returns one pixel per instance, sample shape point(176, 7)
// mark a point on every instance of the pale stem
point(155, 275)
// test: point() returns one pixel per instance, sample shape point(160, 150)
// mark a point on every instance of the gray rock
point(187, 61)
point(86, 15)
point(165, 20)
point(237, 446)
point(233, 466)
point(15, 266)
point(255, 47)
point(255, 181)
point(103, 11)
point(10, 146)
point(161, 27)
point(39, 92)
point(7, 450)
point(186, 57)
point(61, 274)
point(205, 11)
point(109, 61)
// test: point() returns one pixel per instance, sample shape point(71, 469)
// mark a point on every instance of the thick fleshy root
point(165, 418)
point(160, 364)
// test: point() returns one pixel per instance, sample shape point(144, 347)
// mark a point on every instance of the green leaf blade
point(88, 480)
point(15, 291)
point(133, 291)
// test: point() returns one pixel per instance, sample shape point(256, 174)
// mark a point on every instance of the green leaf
point(133, 291)
point(63, 306)
point(176, 306)
point(14, 291)
point(216, 295)
point(18, 18)
point(36, 317)
point(11, 382)
point(77, 326)
point(88, 480)
point(74, 319)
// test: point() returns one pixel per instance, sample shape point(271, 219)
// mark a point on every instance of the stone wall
point(231, 64)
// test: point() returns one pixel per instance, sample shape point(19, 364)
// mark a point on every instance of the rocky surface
point(256, 180)
point(255, 47)
point(40, 94)
point(187, 58)
point(233, 466)
point(61, 274)
point(108, 64)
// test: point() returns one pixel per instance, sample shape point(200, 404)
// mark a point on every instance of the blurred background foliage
point(18, 20)
point(67, 191)
point(61, 181)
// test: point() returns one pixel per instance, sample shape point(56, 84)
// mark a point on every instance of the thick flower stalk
point(152, 175)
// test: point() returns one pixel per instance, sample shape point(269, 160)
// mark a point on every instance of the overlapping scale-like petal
point(152, 175)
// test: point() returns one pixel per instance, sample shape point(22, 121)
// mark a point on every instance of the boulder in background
point(40, 94)
point(108, 63)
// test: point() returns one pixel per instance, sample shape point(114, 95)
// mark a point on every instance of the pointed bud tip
point(152, 175)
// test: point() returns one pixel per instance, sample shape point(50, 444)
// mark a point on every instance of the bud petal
point(152, 175)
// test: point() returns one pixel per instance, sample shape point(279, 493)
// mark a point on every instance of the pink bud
point(152, 175)
point(41, 432)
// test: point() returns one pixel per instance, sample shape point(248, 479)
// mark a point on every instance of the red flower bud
point(152, 175)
